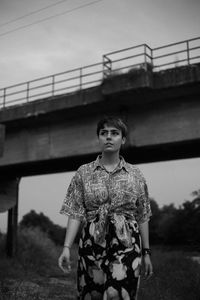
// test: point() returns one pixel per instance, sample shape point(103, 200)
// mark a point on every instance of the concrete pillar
point(11, 241)
point(9, 189)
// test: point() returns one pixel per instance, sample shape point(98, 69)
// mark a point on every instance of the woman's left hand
point(147, 266)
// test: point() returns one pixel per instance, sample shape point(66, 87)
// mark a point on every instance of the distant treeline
point(176, 226)
point(168, 225)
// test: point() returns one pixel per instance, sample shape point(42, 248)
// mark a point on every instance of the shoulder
point(135, 171)
point(81, 173)
point(85, 168)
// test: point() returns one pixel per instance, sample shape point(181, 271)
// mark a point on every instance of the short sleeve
point(73, 204)
point(143, 202)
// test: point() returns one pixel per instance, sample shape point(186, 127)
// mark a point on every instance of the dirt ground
point(53, 287)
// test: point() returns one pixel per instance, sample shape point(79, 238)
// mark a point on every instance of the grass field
point(176, 277)
point(34, 274)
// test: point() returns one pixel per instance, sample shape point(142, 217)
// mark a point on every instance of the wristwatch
point(146, 251)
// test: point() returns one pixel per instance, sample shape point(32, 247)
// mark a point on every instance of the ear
point(123, 140)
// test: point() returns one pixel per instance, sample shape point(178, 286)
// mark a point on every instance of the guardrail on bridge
point(141, 56)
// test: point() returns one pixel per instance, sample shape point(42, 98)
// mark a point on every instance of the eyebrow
point(112, 130)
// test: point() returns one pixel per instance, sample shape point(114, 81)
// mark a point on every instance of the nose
point(108, 136)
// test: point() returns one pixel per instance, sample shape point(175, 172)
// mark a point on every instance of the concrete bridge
point(57, 134)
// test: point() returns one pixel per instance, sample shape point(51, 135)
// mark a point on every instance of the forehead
point(110, 127)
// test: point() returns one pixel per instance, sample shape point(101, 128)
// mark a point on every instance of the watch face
point(146, 251)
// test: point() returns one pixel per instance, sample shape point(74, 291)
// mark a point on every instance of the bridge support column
point(9, 188)
point(11, 241)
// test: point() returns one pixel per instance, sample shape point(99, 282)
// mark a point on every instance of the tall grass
point(34, 273)
point(176, 277)
point(35, 252)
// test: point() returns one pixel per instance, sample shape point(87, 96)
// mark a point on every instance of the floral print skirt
point(109, 269)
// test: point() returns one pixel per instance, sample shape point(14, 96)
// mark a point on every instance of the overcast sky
point(80, 34)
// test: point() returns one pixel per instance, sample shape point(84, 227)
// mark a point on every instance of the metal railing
point(126, 60)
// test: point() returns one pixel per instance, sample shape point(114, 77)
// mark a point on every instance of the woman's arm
point(144, 232)
point(71, 232)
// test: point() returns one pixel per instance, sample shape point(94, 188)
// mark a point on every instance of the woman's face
point(110, 139)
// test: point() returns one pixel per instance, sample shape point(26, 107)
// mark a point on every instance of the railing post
point(4, 97)
point(152, 62)
point(188, 52)
point(53, 84)
point(27, 91)
point(81, 77)
point(103, 66)
point(145, 57)
point(107, 66)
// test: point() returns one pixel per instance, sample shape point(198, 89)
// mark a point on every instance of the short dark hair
point(112, 121)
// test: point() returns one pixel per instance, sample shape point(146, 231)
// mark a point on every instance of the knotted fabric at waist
point(101, 218)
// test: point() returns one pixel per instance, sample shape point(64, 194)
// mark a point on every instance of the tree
point(167, 215)
point(181, 226)
point(154, 222)
point(55, 232)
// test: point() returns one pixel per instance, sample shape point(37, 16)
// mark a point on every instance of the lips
point(109, 144)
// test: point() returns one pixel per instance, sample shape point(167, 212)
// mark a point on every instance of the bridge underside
point(58, 135)
point(165, 152)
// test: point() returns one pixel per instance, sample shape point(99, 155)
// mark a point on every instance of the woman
point(111, 197)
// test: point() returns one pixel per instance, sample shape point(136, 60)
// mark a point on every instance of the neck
point(110, 159)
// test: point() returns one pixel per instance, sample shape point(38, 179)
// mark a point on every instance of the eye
point(115, 133)
point(103, 132)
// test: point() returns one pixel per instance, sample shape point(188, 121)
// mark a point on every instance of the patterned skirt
point(109, 269)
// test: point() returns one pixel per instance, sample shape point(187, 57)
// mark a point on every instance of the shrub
point(36, 251)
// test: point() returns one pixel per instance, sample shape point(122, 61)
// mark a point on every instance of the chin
point(109, 150)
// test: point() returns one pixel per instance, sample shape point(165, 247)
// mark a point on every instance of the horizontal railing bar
point(177, 61)
point(77, 77)
point(16, 93)
point(174, 44)
point(17, 100)
point(67, 88)
point(122, 68)
point(54, 75)
point(170, 54)
point(25, 98)
point(50, 84)
point(69, 71)
point(15, 85)
point(177, 52)
point(171, 63)
point(30, 89)
point(91, 66)
point(93, 81)
point(129, 57)
point(91, 73)
point(194, 48)
point(126, 49)
point(192, 58)
point(66, 80)
point(47, 92)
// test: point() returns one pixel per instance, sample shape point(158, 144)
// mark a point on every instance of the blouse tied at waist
point(101, 218)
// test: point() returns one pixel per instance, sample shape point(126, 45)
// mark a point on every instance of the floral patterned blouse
point(96, 195)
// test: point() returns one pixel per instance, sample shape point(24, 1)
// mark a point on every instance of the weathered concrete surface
point(8, 194)
point(162, 111)
point(50, 105)
point(177, 76)
point(2, 139)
